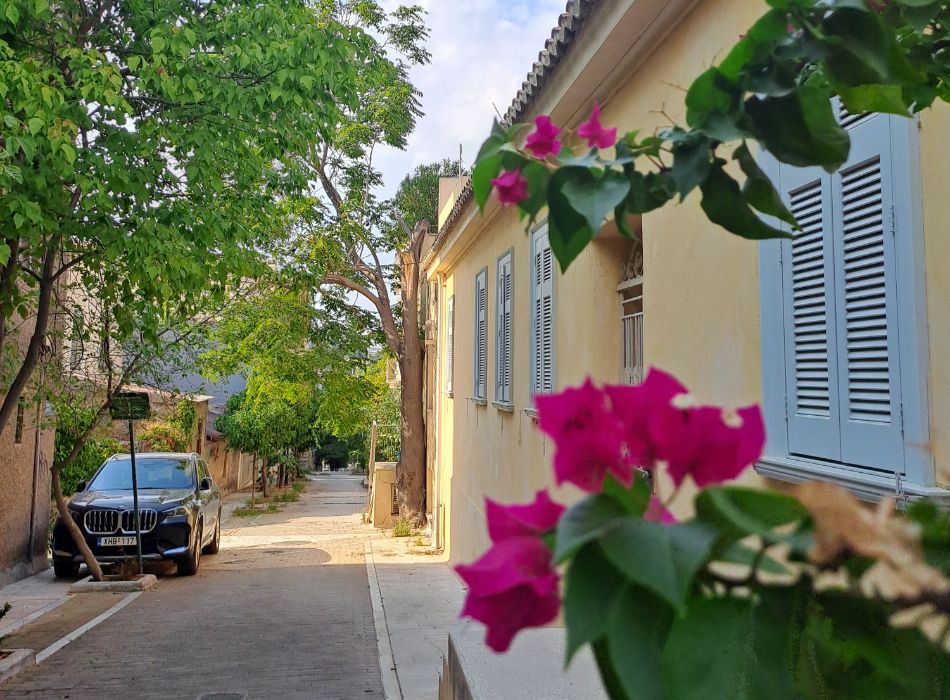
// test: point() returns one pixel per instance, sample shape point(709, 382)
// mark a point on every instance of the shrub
point(162, 436)
point(90, 458)
point(401, 528)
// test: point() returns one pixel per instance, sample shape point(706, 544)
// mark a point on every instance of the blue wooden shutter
point(808, 278)
point(450, 345)
point(866, 299)
point(503, 357)
point(543, 312)
point(481, 334)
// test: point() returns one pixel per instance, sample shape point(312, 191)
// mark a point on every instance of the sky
point(481, 51)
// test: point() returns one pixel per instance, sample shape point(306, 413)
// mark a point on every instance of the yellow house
point(843, 336)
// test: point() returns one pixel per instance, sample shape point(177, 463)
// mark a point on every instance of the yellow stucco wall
point(701, 299)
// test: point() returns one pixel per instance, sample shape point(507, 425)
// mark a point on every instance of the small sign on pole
point(132, 406)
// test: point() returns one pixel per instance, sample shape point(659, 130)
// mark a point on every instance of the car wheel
point(189, 565)
point(66, 568)
point(214, 546)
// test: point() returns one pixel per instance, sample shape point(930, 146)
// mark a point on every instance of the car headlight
point(176, 512)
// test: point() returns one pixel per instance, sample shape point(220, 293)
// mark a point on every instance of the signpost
point(133, 406)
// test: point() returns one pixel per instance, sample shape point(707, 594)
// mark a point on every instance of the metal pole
point(135, 499)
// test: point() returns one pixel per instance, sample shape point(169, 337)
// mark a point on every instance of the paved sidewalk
point(421, 598)
point(30, 598)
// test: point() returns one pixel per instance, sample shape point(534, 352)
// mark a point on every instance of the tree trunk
point(411, 468)
point(265, 465)
point(73, 528)
point(253, 479)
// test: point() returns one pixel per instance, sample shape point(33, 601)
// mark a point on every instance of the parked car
point(179, 511)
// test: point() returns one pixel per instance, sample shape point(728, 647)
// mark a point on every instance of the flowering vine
point(735, 601)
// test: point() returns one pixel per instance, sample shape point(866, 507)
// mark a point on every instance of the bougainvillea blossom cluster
point(598, 431)
point(618, 429)
point(514, 585)
point(545, 141)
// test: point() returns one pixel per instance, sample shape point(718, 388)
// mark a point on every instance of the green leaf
point(650, 191)
point(663, 558)
point(733, 648)
point(592, 196)
point(739, 511)
point(866, 51)
point(759, 191)
point(12, 13)
point(35, 125)
point(158, 44)
point(568, 231)
point(486, 170)
point(725, 205)
point(712, 93)
point(800, 128)
point(691, 162)
point(4, 253)
point(538, 178)
point(636, 636)
point(585, 521)
point(887, 99)
point(635, 499)
point(592, 588)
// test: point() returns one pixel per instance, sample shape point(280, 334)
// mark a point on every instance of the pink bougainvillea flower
point(597, 136)
point(511, 587)
point(656, 512)
point(633, 406)
point(543, 141)
point(534, 518)
point(707, 443)
point(588, 437)
point(511, 186)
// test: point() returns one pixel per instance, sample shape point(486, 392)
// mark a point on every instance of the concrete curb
point(87, 585)
point(387, 663)
point(16, 663)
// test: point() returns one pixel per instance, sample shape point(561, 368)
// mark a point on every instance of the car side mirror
point(206, 484)
point(81, 486)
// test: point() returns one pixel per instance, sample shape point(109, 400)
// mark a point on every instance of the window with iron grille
point(481, 334)
point(503, 330)
point(450, 345)
point(395, 504)
point(631, 316)
point(542, 313)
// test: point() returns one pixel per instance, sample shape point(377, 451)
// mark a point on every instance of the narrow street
point(283, 611)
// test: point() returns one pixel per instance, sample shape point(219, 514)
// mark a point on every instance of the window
point(542, 313)
point(631, 316)
point(450, 345)
point(503, 332)
point(839, 324)
point(481, 334)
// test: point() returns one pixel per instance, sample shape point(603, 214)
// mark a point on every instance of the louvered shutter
point(810, 360)
point(503, 357)
point(543, 365)
point(450, 345)
point(481, 334)
point(866, 300)
point(840, 294)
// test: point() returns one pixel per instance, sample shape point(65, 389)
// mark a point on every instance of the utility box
point(383, 505)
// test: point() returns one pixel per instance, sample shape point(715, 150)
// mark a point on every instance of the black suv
point(179, 511)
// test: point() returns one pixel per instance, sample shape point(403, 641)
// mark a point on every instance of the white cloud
point(481, 52)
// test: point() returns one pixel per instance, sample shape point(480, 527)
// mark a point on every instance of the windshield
point(153, 473)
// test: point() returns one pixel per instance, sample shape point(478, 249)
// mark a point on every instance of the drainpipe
point(436, 463)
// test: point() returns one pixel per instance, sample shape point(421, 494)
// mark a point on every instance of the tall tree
point(142, 141)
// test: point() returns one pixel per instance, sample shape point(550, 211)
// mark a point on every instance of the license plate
point(116, 541)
